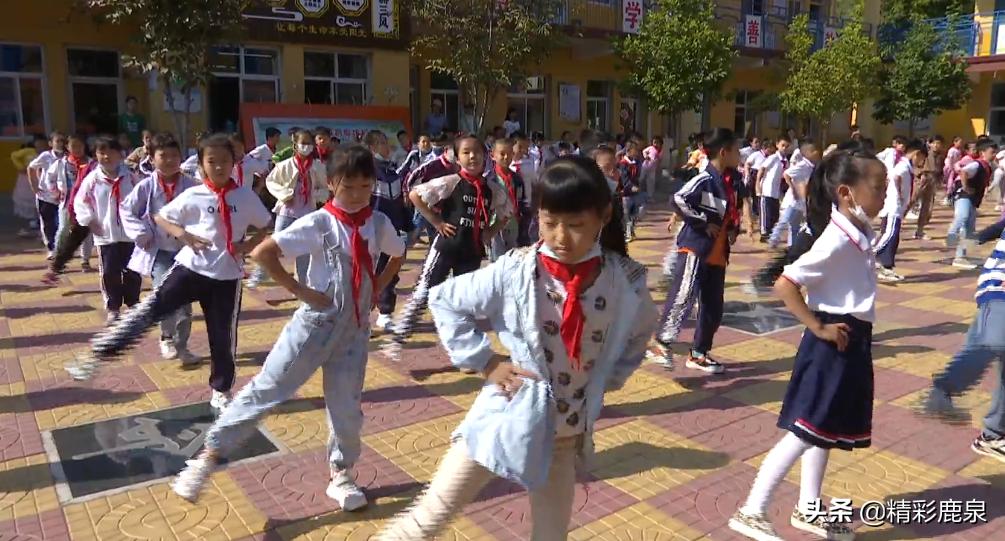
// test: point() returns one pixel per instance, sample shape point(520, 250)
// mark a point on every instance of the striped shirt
point(991, 283)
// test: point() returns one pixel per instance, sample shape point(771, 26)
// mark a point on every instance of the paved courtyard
point(677, 451)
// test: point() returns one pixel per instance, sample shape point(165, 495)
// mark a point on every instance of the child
point(265, 151)
point(954, 155)
point(574, 313)
point(297, 183)
point(931, 176)
point(389, 199)
point(422, 153)
point(651, 159)
point(711, 220)
point(155, 250)
point(247, 170)
point(892, 154)
point(769, 183)
point(968, 193)
point(604, 156)
point(25, 206)
point(397, 157)
point(64, 178)
point(330, 330)
point(828, 403)
point(211, 220)
point(511, 124)
point(631, 190)
point(46, 197)
point(323, 143)
point(286, 153)
point(514, 233)
point(96, 206)
point(900, 173)
point(794, 203)
point(440, 165)
point(751, 167)
point(140, 161)
point(465, 204)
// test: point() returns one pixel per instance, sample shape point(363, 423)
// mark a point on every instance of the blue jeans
point(178, 325)
point(421, 225)
point(965, 218)
point(310, 340)
point(790, 221)
point(985, 343)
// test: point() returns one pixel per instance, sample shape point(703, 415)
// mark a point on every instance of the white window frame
point(83, 79)
point(332, 81)
point(17, 76)
point(526, 97)
point(241, 76)
point(605, 122)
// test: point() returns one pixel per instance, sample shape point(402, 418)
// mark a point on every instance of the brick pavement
point(676, 451)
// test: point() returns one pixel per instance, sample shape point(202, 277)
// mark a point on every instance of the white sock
point(812, 477)
point(778, 462)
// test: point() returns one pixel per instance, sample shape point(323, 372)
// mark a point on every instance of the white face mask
point(305, 150)
point(859, 213)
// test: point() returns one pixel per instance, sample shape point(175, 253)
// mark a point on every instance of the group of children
point(561, 293)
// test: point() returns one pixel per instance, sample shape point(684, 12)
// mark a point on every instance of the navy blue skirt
point(829, 399)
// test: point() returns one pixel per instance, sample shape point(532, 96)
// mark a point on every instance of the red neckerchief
point(323, 153)
point(82, 171)
point(304, 168)
point(168, 189)
point(221, 201)
point(516, 166)
point(240, 172)
point(481, 213)
point(507, 176)
point(361, 260)
point(731, 179)
point(633, 168)
point(116, 193)
point(573, 320)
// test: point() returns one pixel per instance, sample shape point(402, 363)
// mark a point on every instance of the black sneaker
point(992, 447)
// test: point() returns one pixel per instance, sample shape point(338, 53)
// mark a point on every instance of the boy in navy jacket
point(709, 208)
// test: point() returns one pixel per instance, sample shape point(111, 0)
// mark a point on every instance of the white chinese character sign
point(830, 34)
point(753, 31)
point(384, 20)
point(631, 16)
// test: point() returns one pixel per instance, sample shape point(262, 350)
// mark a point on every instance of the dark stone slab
point(763, 317)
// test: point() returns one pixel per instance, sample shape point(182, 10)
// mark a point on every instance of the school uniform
point(793, 206)
point(752, 166)
point(700, 265)
point(953, 156)
point(771, 191)
point(536, 437)
point(63, 178)
point(262, 153)
point(899, 189)
point(211, 276)
point(155, 251)
point(47, 199)
point(514, 234)
point(650, 170)
point(298, 185)
point(413, 160)
point(433, 168)
point(340, 250)
point(830, 394)
point(191, 167)
point(631, 192)
point(964, 225)
point(389, 199)
point(96, 206)
point(468, 203)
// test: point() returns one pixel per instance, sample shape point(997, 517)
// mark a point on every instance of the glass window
point(225, 60)
point(240, 75)
point(442, 81)
point(527, 97)
point(255, 91)
point(32, 105)
point(596, 89)
point(22, 90)
point(335, 78)
point(92, 63)
point(21, 58)
point(10, 124)
point(260, 62)
point(598, 108)
point(996, 116)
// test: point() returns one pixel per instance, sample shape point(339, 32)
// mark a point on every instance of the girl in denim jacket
point(575, 314)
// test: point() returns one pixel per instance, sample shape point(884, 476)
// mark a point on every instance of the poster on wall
point(347, 122)
point(372, 23)
point(568, 102)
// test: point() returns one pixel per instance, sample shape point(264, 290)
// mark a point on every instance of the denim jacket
point(514, 438)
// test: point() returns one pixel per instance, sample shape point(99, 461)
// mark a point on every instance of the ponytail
point(612, 236)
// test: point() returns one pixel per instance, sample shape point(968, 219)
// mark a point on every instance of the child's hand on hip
point(834, 332)
point(315, 299)
point(445, 229)
point(506, 375)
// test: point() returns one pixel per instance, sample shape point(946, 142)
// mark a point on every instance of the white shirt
point(41, 164)
point(511, 126)
point(838, 272)
point(197, 211)
point(284, 182)
point(773, 166)
point(902, 174)
point(261, 153)
point(746, 152)
point(320, 231)
point(250, 166)
point(95, 205)
point(799, 173)
point(191, 166)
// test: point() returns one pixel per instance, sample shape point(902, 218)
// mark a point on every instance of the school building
point(62, 69)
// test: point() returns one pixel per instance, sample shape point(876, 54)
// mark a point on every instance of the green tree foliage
point(485, 45)
point(920, 80)
point(174, 38)
point(679, 55)
point(905, 10)
point(835, 77)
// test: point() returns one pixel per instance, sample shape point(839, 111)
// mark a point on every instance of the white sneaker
point(756, 527)
point(888, 276)
point(189, 482)
point(111, 318)
point(168, 349)
point(219, 401)
point(343, 490)
point(252, 282)
point(188, 358)
point(912, 216)
point(384, 322)
point(963, 263)
point(83, 367)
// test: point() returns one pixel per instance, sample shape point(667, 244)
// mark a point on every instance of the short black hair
point(400, 132)
point(717, 140)
point(353, 161)
point(372, 137)
point(916, 145)
point(518, 135)
point(322, 130)
point(107, 143)
point(131, 98)
point(271, 132)
point(164, 141)
point(985, 144)
point(216, 140)
point(939, 138)
point(783, 137)
point(899, 140)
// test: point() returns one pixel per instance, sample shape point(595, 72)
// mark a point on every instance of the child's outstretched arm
point(791, 294)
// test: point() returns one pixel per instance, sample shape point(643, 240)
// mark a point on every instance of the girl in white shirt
point(96, 206)
point(769, 186)
point(210, 220)
point(828, 404)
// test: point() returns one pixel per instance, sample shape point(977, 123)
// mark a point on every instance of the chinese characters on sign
point(753, 31)
point(383, 17)
point(902, 512)
point(631, 12)
point(376, 23)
